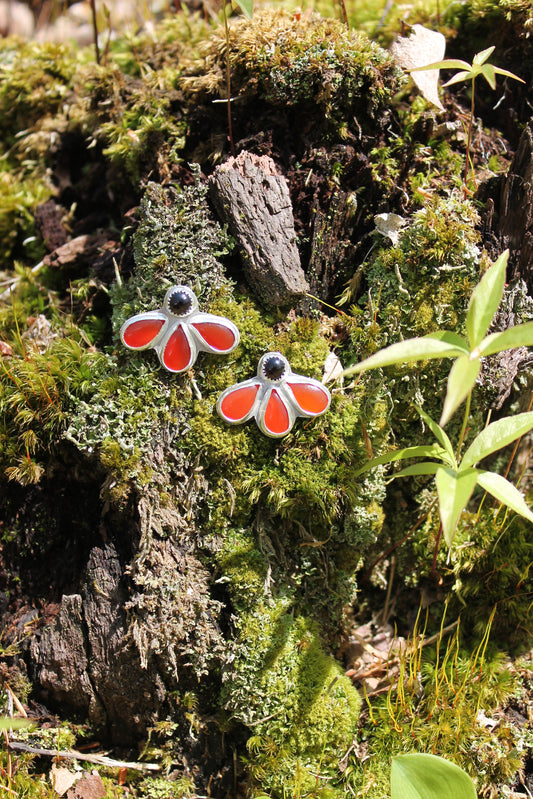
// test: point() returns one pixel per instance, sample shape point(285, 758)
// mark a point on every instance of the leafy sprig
point(455, 477)
point(480, 66)
point(467, 351)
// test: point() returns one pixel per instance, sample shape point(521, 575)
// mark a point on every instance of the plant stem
point(463, 428)
point(435, 552)
point(228, 79)
point(95, 31)
point(468, 161)
point(398, 543)
point(344, 13)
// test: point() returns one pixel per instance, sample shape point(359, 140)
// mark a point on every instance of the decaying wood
point(253, 199)
point(329, 249)
point(516, 210)
point(78, 252)
point(84, 659)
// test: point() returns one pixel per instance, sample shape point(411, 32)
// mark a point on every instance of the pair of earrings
point(178, 331)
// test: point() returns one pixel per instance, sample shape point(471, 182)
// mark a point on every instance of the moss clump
point(131, 119)
point(301, 708)
point(493, 571)
point(420, 285)
point(439, 707)
point(177, 241)
point(37, 390)
point(305, 64)
point(35, 81)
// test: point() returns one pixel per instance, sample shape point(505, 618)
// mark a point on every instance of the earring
point(275, 398)
point(178, 331)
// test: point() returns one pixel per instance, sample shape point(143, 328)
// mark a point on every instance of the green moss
point(177, 241)
point(305, 63)
point(37, 389)
point(19, 196)
point(35, 80)
point(301, 709)
point(435, 709)
point(493, 571)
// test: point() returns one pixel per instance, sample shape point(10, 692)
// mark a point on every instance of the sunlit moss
point(303, 711)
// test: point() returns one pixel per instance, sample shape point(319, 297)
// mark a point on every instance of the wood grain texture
point(252, 198)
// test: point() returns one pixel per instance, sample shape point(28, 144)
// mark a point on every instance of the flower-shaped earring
point(179, 331)
point(274, 398)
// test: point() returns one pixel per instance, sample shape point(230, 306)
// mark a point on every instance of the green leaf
point(13, 724)
point(488, 72)
point(495, 436)
point(505, 492)
point(461, 381)
point(485, 300)
point(454, 489)
point(481, 57)
point(426, 467)
point(447, 63)
point(246, 6)
point(428, 451)
point(518, 336)
point(421, 776)
point(441, 344)
point(440, 435)
point(458, 78)
point(507, 74)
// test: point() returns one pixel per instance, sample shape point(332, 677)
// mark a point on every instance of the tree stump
point(515, 226)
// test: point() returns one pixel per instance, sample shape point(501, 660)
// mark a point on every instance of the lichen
point(301, 708)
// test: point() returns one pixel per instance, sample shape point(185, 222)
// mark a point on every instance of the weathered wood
point(515, 226)
point(329, 250)
point(253, 199)
point(86, 661)
point(77, 253)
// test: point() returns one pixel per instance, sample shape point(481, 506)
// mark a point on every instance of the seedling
point(468, 351)
point(456, 477)
point(469, 72)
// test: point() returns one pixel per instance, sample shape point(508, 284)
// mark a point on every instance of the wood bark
point(515, 226)
point(253, 199)
point(86, 661)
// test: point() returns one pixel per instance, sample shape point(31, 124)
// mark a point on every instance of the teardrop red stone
point(218, 336)
point(276, 415)
point(310, 398)
point(177, 353)
point(238, 403)
point(141, 333)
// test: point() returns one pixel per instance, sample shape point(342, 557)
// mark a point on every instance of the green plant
point(469, 72)
point(423, 776)
point(456, 477)
point(468, 352)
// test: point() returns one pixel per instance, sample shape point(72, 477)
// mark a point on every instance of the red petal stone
point(310, 397)
point(238, 403)
point(177, 353)
point(276, 415)
point(141, 333)
point(218, 336)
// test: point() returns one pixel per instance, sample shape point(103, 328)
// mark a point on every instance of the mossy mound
point(301, 708)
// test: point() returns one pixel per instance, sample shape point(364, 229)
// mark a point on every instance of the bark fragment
point(253, 199)
point(516, 210)
point(86, 661)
